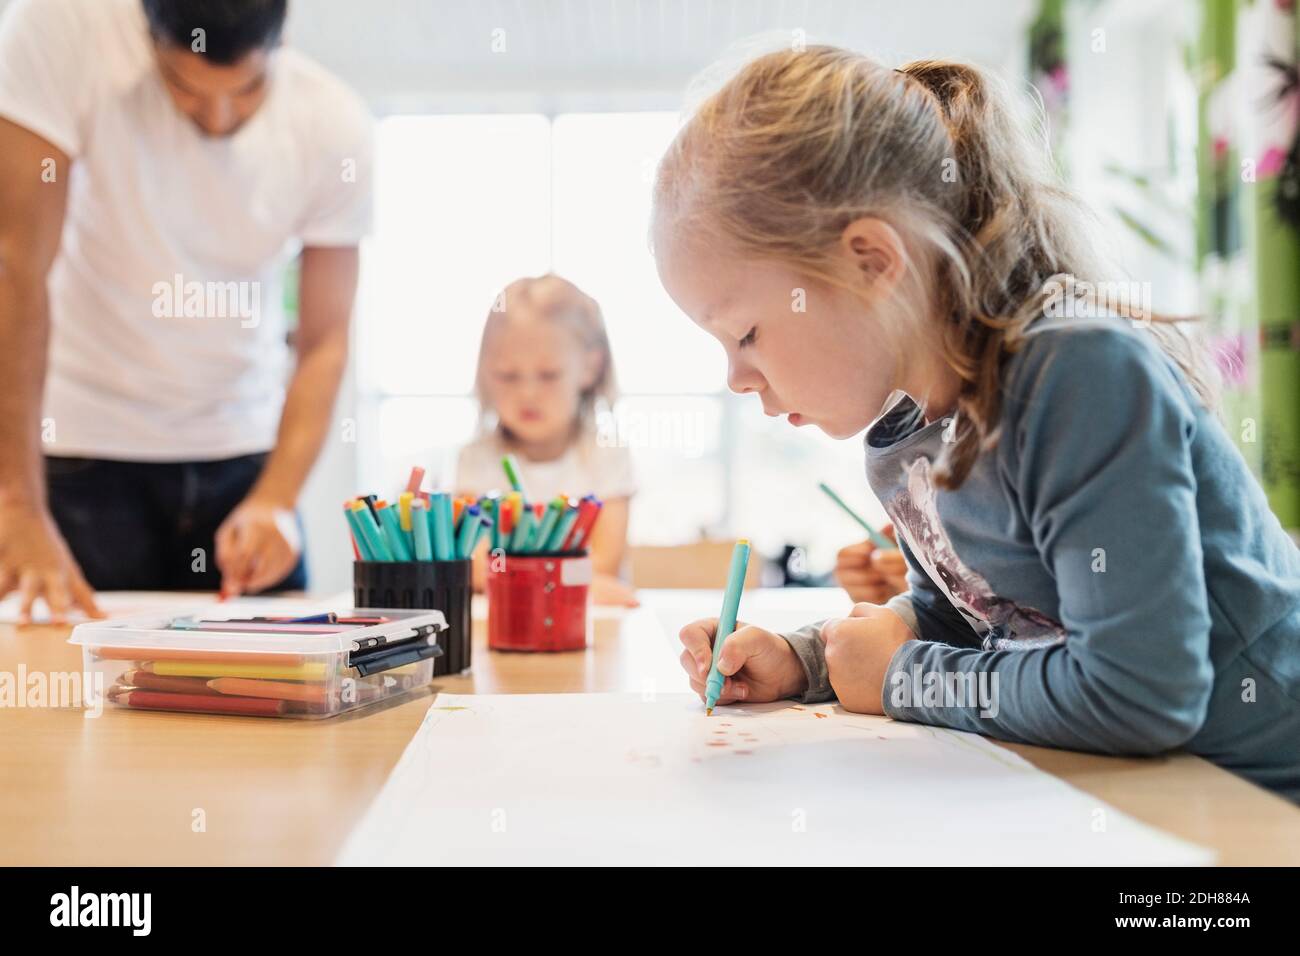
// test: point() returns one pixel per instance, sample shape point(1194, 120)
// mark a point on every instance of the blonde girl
point(1091, 564)
point(544, 372)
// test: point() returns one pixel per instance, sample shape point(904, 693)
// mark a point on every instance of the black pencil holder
point(445, 586)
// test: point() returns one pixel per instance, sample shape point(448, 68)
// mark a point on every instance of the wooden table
point(132, 787)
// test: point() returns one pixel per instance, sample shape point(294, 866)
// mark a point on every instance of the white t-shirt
point(585, 467)
point(136, 371)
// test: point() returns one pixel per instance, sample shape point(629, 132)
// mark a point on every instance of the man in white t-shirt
point(162, 163)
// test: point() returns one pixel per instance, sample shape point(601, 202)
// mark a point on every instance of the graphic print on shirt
point(1001, 623)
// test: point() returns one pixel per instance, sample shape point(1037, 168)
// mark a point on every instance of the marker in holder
point(439, 585)
point(538, 602)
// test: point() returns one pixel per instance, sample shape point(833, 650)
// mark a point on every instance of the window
point(464, 205)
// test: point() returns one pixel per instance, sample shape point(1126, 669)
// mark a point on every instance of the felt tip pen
point(358, 535)
point(420, 532)
point(442, 526)
point(417, 478)
point(468, 533)
point(392, 528)
point(524, 525)
point(510, 465)
point(549, 521)
point(562, 528)
point(878, 539)
point(726, 621)
point(370, 532)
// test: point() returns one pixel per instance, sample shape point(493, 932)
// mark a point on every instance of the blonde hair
point(799, 144)
point(556, 300)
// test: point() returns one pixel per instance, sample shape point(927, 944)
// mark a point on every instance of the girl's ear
point(874, 250)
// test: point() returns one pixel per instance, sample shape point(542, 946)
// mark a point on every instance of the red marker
point(582, 529)
point(417, 478)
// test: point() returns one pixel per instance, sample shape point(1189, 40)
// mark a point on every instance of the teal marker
point(562, 529)
point(726, 621)
point(470, 520)
point(444, 545)
point(420, 531)
point(486, 527)
point(549, 520)
point(393, 534)
point(511, 467)
point(371, 534)
point(363, 547)
point(523, 530)
point(878, 539)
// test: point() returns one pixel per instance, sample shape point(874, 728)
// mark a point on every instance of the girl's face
point(535, 373)
point(807, 350)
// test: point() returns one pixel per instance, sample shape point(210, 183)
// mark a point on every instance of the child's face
point(535, 373)
point(806, 350)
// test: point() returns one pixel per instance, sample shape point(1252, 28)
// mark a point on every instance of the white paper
point(649, 779)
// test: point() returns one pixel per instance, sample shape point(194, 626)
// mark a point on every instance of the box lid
point(222, 628)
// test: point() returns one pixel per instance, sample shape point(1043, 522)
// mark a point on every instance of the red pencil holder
point(538, 602)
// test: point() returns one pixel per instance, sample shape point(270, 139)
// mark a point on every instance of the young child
point(1092, 566)
point(544, 367)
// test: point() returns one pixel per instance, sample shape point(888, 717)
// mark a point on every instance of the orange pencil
point(272, 689)
point(177, 685)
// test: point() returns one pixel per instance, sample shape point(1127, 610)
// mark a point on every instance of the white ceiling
point(421, 54)
point(616, 54)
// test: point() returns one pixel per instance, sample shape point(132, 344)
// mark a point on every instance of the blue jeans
point(150, 526)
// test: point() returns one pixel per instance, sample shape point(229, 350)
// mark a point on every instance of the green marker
point(726, 621)
point(878, 539)
point(511, 468)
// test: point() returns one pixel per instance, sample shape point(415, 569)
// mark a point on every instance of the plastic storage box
point(228, 662)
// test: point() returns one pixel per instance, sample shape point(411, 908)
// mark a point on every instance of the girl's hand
point(858, 651)
point(869, 573)
point(759, 666)
point(608, 590)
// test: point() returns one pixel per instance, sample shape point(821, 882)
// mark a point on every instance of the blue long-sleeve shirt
point(1108, 578)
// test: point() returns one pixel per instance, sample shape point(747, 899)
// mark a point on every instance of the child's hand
point(759, 665)
point(869, 573)
point(609, 590)
point(858, 651)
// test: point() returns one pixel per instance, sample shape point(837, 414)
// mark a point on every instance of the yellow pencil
point(310, 671)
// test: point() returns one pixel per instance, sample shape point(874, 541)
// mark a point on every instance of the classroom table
point(139, 788)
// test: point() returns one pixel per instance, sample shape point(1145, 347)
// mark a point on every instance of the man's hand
point(858, 651)
point(257, 545)
point(35, 561)
point(869, 573)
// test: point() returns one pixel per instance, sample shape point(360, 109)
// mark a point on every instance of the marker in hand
point(726, 621)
